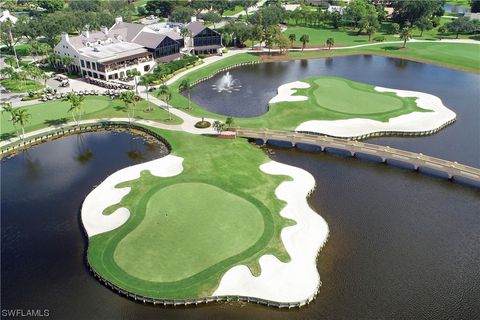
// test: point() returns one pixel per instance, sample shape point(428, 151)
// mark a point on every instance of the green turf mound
point(186, 231)
point(334, 98)
point(187, 228)
point(343, 96)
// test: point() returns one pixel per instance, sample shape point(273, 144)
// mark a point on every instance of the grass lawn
point(15, 85)
point(461, 3)
point(461, 56)
point(219, 225)
point(338, 95)
point(56, 112)
point(332, 98)
point(186, 231)
point(21, 49)
point(235, 10)
point(347, 37)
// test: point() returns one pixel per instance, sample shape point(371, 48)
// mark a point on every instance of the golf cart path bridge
point(416, 161)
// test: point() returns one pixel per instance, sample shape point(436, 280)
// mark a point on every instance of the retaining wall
point(61, 132)
point(225, 69)
point(387, 133)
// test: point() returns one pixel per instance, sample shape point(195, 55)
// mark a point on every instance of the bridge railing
point(416, 159)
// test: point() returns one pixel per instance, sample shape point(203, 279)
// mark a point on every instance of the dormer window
point(99, 42)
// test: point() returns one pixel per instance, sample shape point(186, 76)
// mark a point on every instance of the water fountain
point(227, 84)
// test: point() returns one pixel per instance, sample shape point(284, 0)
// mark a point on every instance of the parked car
point(60, 77)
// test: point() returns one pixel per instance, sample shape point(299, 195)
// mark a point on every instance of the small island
point(344, 108)
point(176, 228)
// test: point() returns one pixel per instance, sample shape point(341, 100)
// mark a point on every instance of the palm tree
point(227, 38)
point(229, 121)
point(134, 73)
point(129, 98)
point(330, 43)
point(12, 61)
point(186, 33)
point(9, 71)
point(162, 71)
point(54, 60)
point(292, 37)
point(147, 80)
point(304, 39)
point(75, 105)
point(22, 75)
point(67, 62)
point(186, 85)
point(7, 107)
point(218, 126)
point(22, 118)
point(165, 95)
point(44, 77)
point(406, 34)
point(370, 30)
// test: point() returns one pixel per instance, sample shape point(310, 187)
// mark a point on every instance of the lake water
point(458, 90)
point(402, 245)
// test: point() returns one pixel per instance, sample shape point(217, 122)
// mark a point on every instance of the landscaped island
point(181, 227)
point(344, 108)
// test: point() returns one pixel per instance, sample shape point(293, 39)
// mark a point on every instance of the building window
point(82, 63)
point(88, 65)
point(146, 68)
point(94, 66)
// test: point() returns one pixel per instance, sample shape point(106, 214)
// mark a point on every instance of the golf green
point(340, 95)
point(187, 228)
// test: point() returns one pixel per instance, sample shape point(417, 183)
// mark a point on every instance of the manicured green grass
point(332, 98)
point(347, 37)
point(339, 95)
point(218, 224)
point(21, 49)
point(15, 85)
point(166, 235)
point(343, 37)
point(235, 10)
point(461, 56)
point(462, 3)
point(56, 112)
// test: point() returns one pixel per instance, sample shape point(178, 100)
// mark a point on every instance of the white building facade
point(105, 54)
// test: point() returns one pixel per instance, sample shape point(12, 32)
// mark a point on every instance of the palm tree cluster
point(60, 62)
point(130, 99)
point(165, 95)
point(76, 105)
point(18, 117)
point(186, 85)
point(25, 73)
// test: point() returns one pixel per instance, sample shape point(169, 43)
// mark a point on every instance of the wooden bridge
point(417, 161)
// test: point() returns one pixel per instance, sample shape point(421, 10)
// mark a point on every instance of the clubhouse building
point(109, 53)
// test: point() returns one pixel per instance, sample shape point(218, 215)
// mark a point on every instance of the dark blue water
point(458, 90)
point(402, 245)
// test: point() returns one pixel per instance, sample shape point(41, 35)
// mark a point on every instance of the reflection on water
point(402, 245)
point(261, 81)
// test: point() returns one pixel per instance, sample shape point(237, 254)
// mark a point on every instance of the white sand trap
point(298, 280)
point(286, 91)
point(106, 195)
point(411, 123)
